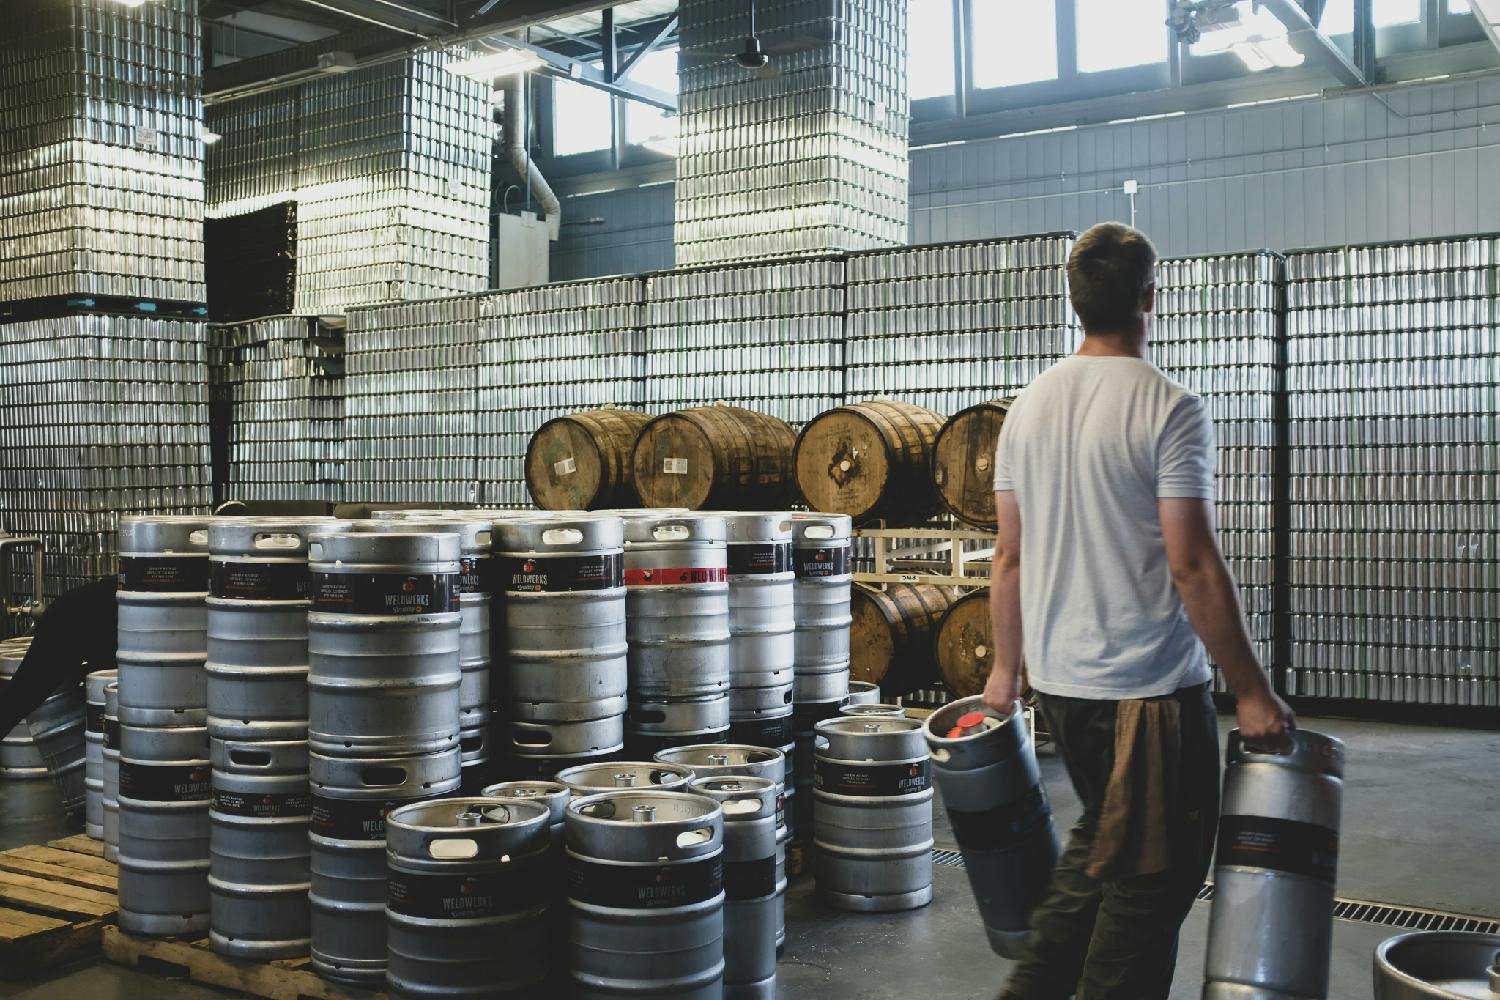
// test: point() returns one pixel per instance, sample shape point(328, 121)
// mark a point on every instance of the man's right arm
point(1213, 606)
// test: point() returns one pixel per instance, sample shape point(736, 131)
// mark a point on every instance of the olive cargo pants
point(1116, 939)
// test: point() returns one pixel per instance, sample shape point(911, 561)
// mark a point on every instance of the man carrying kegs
point(1108, 583)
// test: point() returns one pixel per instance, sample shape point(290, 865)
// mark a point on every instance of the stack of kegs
point(164, 784)
point(94, 703)
point(257, 726)
point(19, 758)
point(677, 617)
point(561, 587)
point(383, 721)
point(822, 567)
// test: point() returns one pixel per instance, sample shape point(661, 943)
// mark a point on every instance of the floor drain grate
point(1360, 910)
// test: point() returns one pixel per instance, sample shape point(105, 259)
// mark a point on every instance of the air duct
point(514, 88)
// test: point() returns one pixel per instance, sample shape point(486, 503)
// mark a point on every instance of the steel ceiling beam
point(580, 72)
point(1305, 37)
point(650, 45)
point(1488, 14)
point(390, 14)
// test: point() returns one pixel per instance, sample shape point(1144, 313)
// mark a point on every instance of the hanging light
point(494, 65)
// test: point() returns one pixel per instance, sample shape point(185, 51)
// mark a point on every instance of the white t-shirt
point(1088, 448)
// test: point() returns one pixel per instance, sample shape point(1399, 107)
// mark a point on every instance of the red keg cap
point(967, 725)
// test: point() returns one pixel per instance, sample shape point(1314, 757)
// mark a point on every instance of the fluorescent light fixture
point(1250, 54)
point(208, 136)
point(666, 145)
point(1280, 52)
point(494, 65)
point(131, 3)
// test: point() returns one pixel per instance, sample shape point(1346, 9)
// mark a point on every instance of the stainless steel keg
point(258, 850)
point(473, 587)
point(383, 638)
point(258, 601)
point(19, 757)
point(677, 587)
point(646, 896)
point(1437, 965)
point(873, 710)
point(985, 766)
point(652, 725)
point(162, 690)
point(350, 800)
point(554, 795)
point(864, 693)
point(1275, 868)
point(562, 598)
point(754, 885)
point(163, 581)
point(761, 583)
point(110, 795)
point(164, 795)
point(474, 759)
point(799, 768)
point(93, 751)
point(57, 730)
point(821, 562)
point(872, 814)
point(590, 779)
point(469, 886)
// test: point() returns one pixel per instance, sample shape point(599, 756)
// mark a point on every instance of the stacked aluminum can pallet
point(1395, 548)
point(410, 390)
point(99, 416)
point(952, 325)
point(280, 385)
point(766, 337)
point(102, 183)
point(1217, 329)
point(808, 157)
point(390, 168)
point(545, 352)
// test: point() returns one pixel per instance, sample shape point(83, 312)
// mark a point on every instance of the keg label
point(844, 778)
point(111, 733)
point(385, 593)
point(772, 733)
point(345, 819)
point(1004, 825)
point(164, 574)
point(474, 575)
point(760, 560)
point(267, 805)
point(808, 714)
point(675, 576)
point(820, 562)
point(1281, 845)
point(645, 887)
point(750, 879)
point(518, 886)
point(562, 574)
point(258, 581)
point(93, 717)
point(165, 782)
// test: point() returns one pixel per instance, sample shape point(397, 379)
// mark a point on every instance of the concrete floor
point(1418, 830)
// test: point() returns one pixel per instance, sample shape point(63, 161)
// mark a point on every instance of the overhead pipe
point(514, 89)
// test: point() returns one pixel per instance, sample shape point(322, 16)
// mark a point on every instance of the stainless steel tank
point(646, 896)
point(110, 794)
point(864, 693)
point(164, 794)
point(761, 621)
point(1438, 965)
point(258, 876)
point(258, 601)
point(350, 800)
point(163, 582)
point(754, 884)
point(1275, 868)
point(554, 795)
point(822, 564)
point(985, 766)
point(383, 638)
point(93, 752)
point(872, 814)
point(590, 779)
point(470, 883)
point(677, 587)
point(561, 592)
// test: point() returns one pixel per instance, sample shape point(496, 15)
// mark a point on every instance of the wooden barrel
point(871, 461)
point(715, 458)
point(963, 462)
point(582, 461)
point(963, 644)
point(890, 637)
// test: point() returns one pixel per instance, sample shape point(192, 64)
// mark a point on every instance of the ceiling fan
point(756, 55)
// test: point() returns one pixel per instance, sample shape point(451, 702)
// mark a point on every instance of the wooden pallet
point(282, 979)
point(54, 903)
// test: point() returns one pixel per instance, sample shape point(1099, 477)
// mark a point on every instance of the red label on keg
point(354, 819)
point(645, 887)
point(250, 581)
point(262, 805)
point(675, 576)
point(750, 879)
point(165, 782)
point(164, 574)
point(474, 574)
point(1002, 826)
point(811, 564)
point(561, 574)
point(93, 717)
point(521, 884)
point(1281, 845)
point(385, 593)
point(879, 780)
point(760, 559)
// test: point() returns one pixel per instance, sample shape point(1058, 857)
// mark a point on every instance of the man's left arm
point(1004, 686)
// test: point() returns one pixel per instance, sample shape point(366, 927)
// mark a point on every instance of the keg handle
point(277, 540)
point(562, 536)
